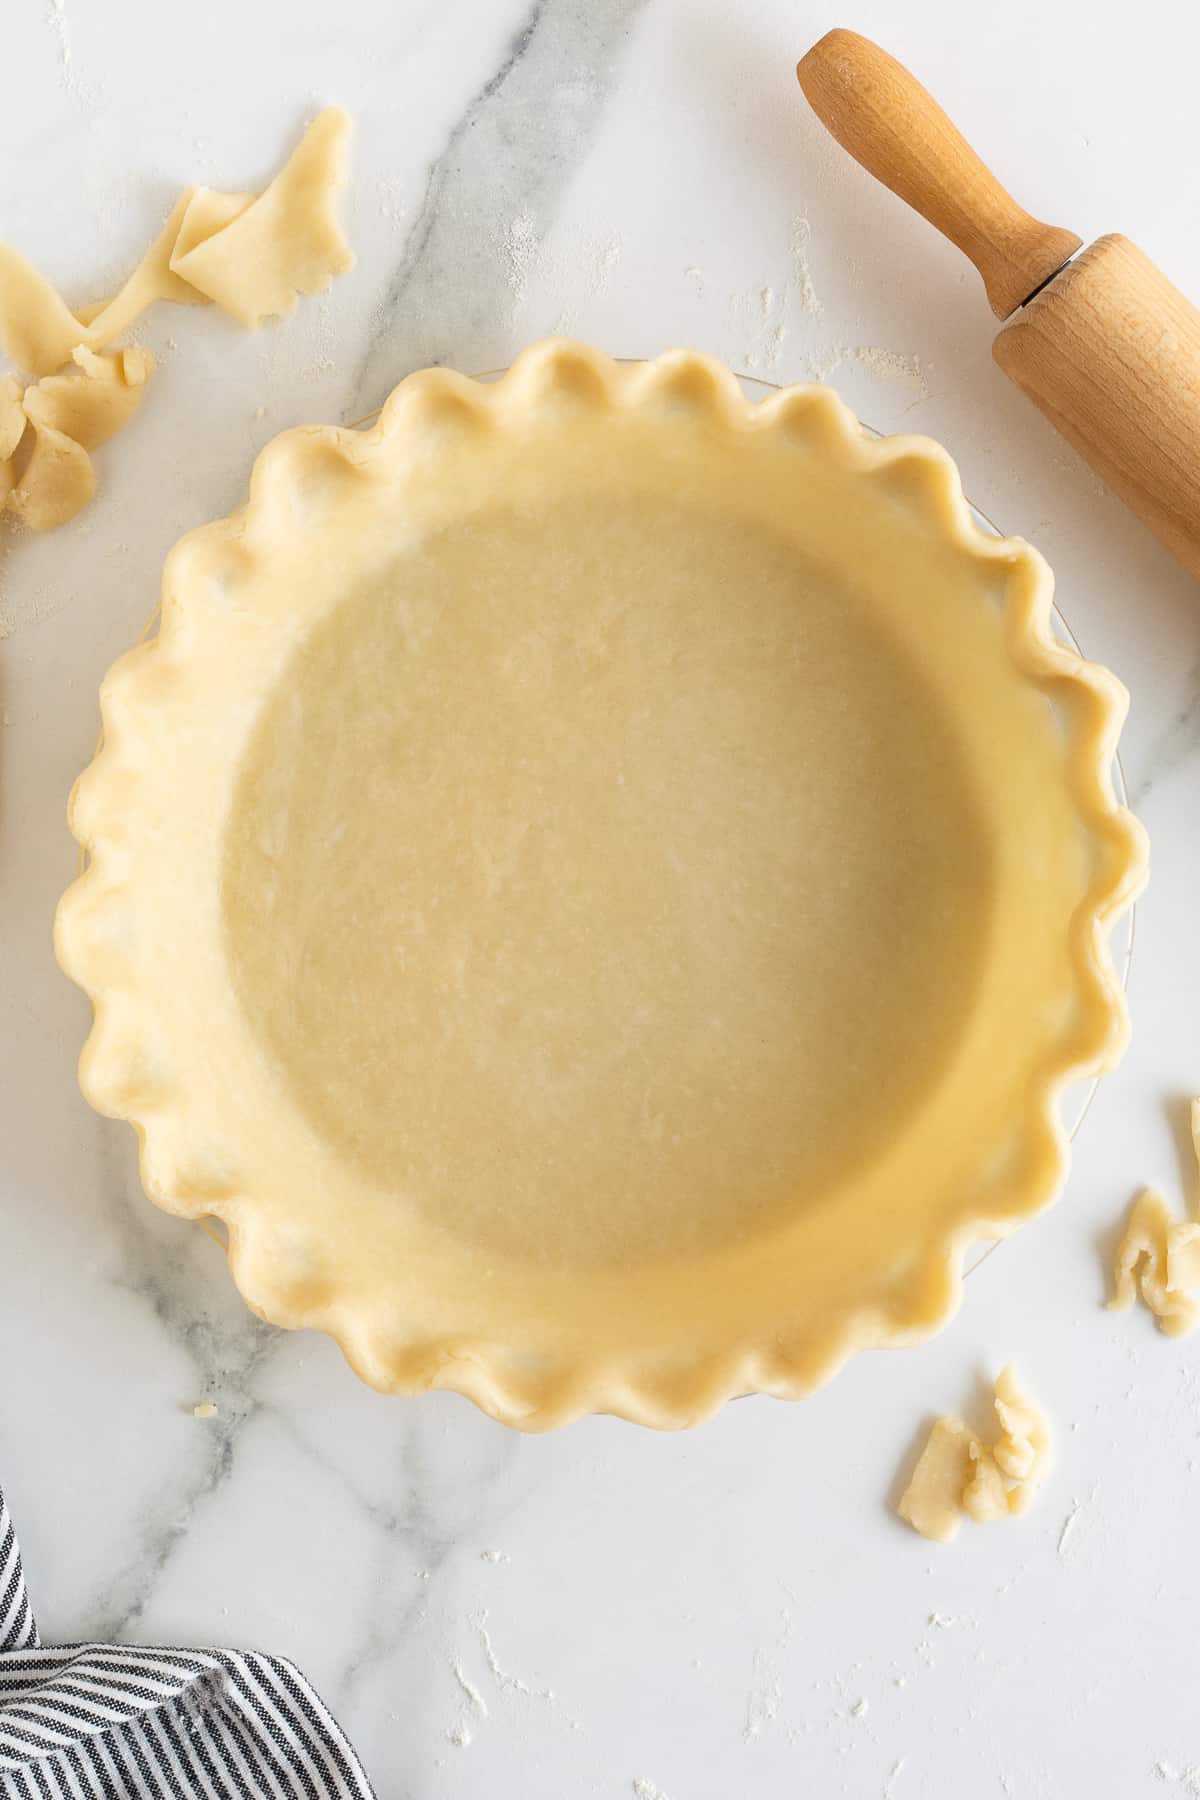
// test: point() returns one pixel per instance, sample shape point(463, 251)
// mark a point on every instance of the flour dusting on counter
point(765, 1696)
point(505, 1679)
point(762, 316)
point(806, 293)
point(56, 13)
point(574, 273)
point(1080, 1528)
point(875, 359)
point(759, 314)
point(892, 365)
point(469, 1689)
point(520, 254)
point(56, 18)
point(1188, 1779)
point(460, 1734)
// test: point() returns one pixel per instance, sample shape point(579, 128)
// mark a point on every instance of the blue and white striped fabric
point(111, 1722)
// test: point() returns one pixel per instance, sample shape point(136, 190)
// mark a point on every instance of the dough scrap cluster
point(1159, 1258)
point(55, 423)
point(252, 256)
point(958, 1475)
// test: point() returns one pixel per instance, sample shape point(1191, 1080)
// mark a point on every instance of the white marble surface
point(701, 1613)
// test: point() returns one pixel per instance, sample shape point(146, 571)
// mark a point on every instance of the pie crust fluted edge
point(559, 372)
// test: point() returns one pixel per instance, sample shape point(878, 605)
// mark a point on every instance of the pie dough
point(598, 885)
point(253, 257)
point(959, 1476)
point(12, 428)
point(60, 419)
point(1159, 1257)
point(932, 1503)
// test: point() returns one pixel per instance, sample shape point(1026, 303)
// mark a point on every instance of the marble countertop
point(604, 1611)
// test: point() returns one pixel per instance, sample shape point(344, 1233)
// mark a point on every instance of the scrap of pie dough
point(68, 415)
point(38, 330)
point(287, 242)
point(253, 257)
point(959, 1475)
point(94, 400)
point(12, 418)
point(154, 279)
point(12, 430)
point(1006, 1477)
point(932, 1501)
point(1159, 1257)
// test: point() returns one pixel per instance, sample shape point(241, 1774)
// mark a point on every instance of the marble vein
point(1177, 745)
point(432, 1516)
point(225, 1355)
point(432, 1523)
point(508, 159)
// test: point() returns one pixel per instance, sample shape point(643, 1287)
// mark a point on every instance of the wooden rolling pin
point(1101, 342)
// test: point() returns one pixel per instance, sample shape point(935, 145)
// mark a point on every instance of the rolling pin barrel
point(1110, 352)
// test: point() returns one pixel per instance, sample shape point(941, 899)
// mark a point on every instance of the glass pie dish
point(600, 886)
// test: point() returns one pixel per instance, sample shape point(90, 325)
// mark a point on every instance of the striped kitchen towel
point(111, 1722)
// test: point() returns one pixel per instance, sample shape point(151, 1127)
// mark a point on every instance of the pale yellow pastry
point(958, 1475)
point(932, 1503)
point(12, 430)
point(64, 417)
point(252, 256)
point(598, 885)
point(1158, 1257)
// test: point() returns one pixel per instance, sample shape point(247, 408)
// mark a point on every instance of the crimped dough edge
point(428, 402)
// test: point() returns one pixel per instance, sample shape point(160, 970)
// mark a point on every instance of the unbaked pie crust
point(599, 886)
